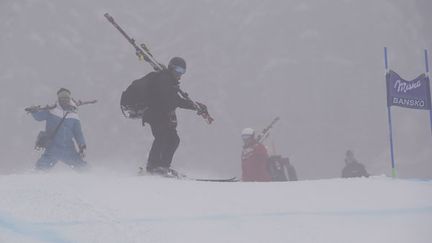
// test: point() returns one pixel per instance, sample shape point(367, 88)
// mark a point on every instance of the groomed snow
point(95, 207)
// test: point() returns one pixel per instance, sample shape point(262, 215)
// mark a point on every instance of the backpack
point(276, 168)
point(134, 101)
point(45, 138)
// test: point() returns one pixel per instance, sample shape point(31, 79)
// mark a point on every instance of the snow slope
point(67, 207)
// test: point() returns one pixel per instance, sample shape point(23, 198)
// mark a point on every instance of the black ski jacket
point(354, 169)
point(163, 97)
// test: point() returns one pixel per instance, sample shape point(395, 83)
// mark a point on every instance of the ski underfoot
point(179, 176)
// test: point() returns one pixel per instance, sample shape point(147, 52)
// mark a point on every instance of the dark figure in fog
point(163, 99)
point(352, 167)
point(281, 169)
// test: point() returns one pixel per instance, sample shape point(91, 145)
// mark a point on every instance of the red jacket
point(255, 163)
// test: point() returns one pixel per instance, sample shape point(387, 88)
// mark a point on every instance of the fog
point(318, 65)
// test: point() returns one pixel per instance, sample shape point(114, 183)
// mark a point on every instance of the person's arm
point(185, 104)
point(40, 115)
point(262, 155)
point(265, 174)
point(78, 134)
point(79, 138)
point(364, 171)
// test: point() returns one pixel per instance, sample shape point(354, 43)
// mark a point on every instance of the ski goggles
point(178, 70)
point(246, 137)
point(64, 94)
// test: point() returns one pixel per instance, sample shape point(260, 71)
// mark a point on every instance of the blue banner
point(414, 94)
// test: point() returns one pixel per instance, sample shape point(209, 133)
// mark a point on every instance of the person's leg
point(171, 143)
point(154, 158)
point(75, 161)
point(45, 162)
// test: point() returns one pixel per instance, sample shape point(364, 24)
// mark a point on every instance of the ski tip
point(109, 17)
point(232, 179)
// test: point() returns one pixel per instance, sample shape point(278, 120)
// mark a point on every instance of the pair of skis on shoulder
point(180, 176)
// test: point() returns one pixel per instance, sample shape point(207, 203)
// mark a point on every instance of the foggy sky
point(316, 64)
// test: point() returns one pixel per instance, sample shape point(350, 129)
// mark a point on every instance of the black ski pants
point(166, 142)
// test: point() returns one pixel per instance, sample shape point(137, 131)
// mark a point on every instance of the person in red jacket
point(254, 158)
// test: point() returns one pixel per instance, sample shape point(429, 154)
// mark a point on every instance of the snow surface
point(101, 207)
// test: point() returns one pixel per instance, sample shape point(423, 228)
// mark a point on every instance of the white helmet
point(247, 132)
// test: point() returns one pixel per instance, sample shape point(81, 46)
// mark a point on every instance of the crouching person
point(254, 158)
point(352, 167)
point(61, 128)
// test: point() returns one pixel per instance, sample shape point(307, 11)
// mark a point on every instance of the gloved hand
point(202, 109)
point(82, 147)
point(32, 109)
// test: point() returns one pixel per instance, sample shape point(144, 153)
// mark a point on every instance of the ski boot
point(165, 172)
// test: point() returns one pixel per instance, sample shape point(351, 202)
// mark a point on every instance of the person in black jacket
point(352, 167)
point(163, 99)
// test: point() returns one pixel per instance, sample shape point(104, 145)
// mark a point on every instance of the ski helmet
point(177, 62)
point(63, 93)
point(177, 67)
point(248, 132)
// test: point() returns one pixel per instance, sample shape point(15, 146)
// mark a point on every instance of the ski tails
point(232, 179)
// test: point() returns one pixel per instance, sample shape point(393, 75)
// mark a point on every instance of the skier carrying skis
point(62, 126)
point(154, 99)
point(352, 167)
point(163, 99)
point(254, 158)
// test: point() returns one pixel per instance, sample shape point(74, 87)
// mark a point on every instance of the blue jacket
point(69, 130)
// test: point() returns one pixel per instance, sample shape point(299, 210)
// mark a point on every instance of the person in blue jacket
point(61, 146)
